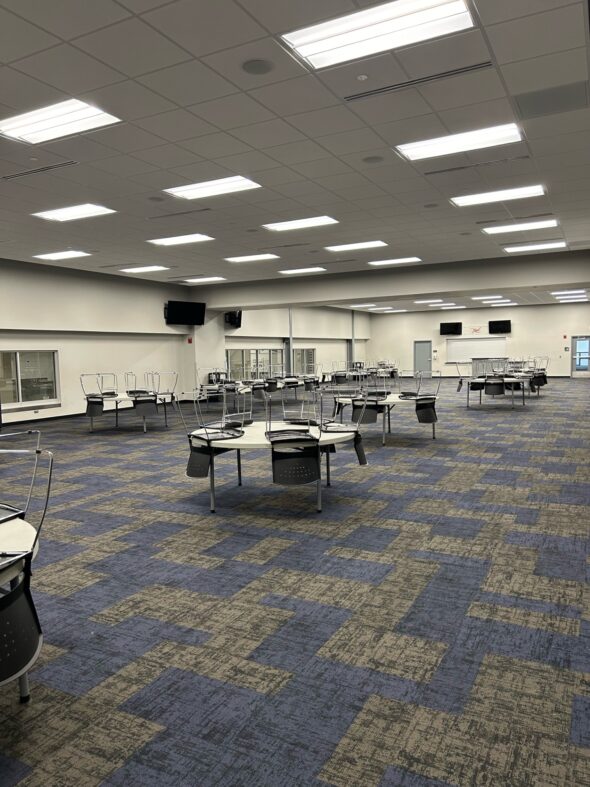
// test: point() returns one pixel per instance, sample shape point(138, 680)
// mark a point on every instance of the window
point(303, 361)
point(28, 377)
point(252, 364)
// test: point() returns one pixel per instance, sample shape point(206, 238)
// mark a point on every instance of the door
point(422, 356)
point(580, 356)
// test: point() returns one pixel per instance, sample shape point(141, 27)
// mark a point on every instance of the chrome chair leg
point(212, 483)
point(239, 458)
point(23, 685)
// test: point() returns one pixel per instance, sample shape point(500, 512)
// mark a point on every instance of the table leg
point(116, 414)
point(328, 467)
point(512, 390)
point(468, 387)
point(212, 483)
point(389, 419)
point(165, 413)
point(239, 457)
point(144, 424)
point(384, 418)
point(433, 431)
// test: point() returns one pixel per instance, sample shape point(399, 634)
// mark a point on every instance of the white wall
point(536, 331)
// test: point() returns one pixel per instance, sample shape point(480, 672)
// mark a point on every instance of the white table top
point(255, 436)
point(390, 399)
point(16, 535)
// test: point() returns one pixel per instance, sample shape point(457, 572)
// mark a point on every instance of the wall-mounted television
point(184, 313)
point(234, 319)
point(451, 328)
point(499, 326)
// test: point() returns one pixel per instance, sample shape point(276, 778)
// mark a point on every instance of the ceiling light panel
point(178, 240)
point(448, 308)
point(61, 255)
point(58, 120)
point(205, 280)
point(396, 311)
point(558, 244)
point(253, 258)
point(85, 211)
point(212, 188)
point(574, 299)
point(486, 297)
point(144, 269)
point(397, 261)
point(300, 224)
point(380, 309)
point(440, 305)
point(460, 143)
point(522, 227)
point(510, 303)
point(569, 292)
point(432, 300)
point(378, 29)
point(302, 270)
point(503, 195)
point(361, 305)
point(367, 244)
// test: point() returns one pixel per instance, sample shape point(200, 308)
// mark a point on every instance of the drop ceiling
point(192, 111)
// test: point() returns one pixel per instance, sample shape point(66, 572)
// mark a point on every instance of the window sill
point(19, 407)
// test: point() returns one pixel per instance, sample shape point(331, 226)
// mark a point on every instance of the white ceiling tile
point(268, 134)
point(296, 152)
point(23, 93)
point(127, 100)
point(463, 90)
point(141, 6)
point(126, 138)
point(321, 167)
point(388, 107)
point(19, 38)
point(167, 156)
point(202, 28)
point(123, 166)
point(302, 94)
point(325, 121)
point(79, 148)
point(188, 83)
point(245, 163)
point(68, 18)
point(232, 111)
point(547, 146)
point(564, 123)
point(195, 173)
point(444, 54)
point(411, 129)
point(560, 68)
point(215, 145)
point(488, 113)
point(272, 177)
point(370, 74)
point(492, 11)
point(175, 125)
point(229, 63)
point(68, 69)
point(539, 34)
point(282, 16)
point(351, 141)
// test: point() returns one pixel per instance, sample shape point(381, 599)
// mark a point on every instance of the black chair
point(22, 638)
point(365, 411)
point(494, 386)
point(94, 408)
point(426, 412)
point(296, 460)
point(144, 407)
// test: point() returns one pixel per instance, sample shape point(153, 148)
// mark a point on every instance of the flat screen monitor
point(234, 319)
point(184, 313)
point(499, 326)
point(451, 328)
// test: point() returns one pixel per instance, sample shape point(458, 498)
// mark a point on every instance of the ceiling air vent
point(180, 213)
point(553, 100)
point(517, 218)
point(417, 82)
point(38, 170)
point(474, 166)
point(290, 245)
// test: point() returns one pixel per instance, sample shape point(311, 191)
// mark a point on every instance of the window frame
point(36, 404)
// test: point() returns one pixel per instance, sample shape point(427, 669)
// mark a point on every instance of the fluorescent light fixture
point(524, 226)
point(432, 300)
point(397, 261)
point(58, 120)
point(503, 195)
point(367, 244)
point(557, 244)
point(378, 29)
point(448, 308)
point(253, 258)
point(460, 143)
point(61, 255)
point(440, 305)
point(212, 188)
point(395, 311)
point(576, 299)
point(569, 292)
point(361, 305)
point(144, 269)
point(205, 280)
point(486, 297)
point(302, 270)
point(510, 303)
point(178, 240)
point(85, 211)
point(300, 224)
point(491, 303)
point(380, 309)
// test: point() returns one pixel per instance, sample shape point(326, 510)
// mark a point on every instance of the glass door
point(580, 356)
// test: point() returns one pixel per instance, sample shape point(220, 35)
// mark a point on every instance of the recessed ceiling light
point(558, 244)
point(212, 188)
point(432, 300)
point(367, 244)
point(58, 120)
point(491, 303)
point(573, 300)
point(144, 269)
point(380, 309)
point(361, 305)
point(448, 308)
point(458, 143)
point(85, 211)
point(510, 303)
point(378, 29)
point(302, 270)
point(486, 297)
point(503, 195)
point(205, 279)
point(253, 258)
point(524, 226)
point(300, 224)
point(569, 292)
point(178, 240)
point(61, 255)
point(440, 305)
point(395, 311)
point(398, 261)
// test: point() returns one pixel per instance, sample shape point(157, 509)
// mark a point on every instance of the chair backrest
point(430, 383)
point(409, 382)
point(295, 463)
point(494, 386)
point(18, 617)
point(25, 485)
point(425, 410)
point(145, 404)
point(364, 411)
point(240, 414)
